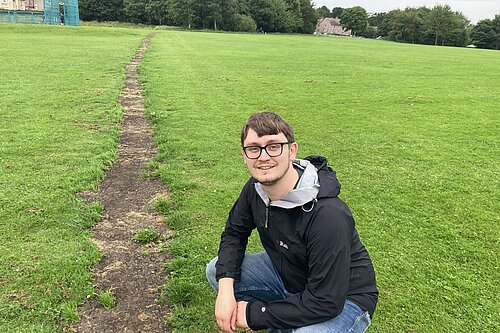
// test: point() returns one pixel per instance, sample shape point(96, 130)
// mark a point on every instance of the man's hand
point(241, 316)
point(225, 306)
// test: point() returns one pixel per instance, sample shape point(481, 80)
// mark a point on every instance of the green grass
point(107, 299)
point(146, 236)
point(413, 132)
point(59, 110)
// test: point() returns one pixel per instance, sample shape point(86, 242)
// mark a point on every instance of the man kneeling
point(315, 274)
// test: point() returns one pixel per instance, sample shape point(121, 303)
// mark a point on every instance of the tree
point(309, 17)
point(294, 10)
point(95, 10)
point(496, 28)
point(271, 15)
point(406, 26)
point(323, 12)
point(375, 20)
point(337, 11)
point(135, 11)
point(181, 12)
point(157, 11)
point(245, 23)
point(354, 18)
point(446, 27)
point(486, 34)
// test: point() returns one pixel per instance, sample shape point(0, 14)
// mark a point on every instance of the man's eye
point(273, 147)
point(253, 149)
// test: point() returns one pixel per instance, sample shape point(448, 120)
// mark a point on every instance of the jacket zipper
point(267, 216)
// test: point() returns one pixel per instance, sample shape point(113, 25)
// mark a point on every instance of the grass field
point(413, 132)
point(59, 111)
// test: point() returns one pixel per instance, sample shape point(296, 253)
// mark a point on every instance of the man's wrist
point(226, 285)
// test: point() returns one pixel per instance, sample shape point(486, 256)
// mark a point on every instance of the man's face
point(265, 169)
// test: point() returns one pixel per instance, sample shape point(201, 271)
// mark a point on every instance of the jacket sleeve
point(328, 250)
point(234, 238)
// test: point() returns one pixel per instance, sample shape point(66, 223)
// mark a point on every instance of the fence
point(21, 16)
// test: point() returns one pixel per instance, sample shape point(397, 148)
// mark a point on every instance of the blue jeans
point(260, 280)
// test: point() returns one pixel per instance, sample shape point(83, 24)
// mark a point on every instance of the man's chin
point(268, 182)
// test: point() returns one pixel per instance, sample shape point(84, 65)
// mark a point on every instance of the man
point(315, 274)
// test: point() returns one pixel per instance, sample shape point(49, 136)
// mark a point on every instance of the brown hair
point(267, 123)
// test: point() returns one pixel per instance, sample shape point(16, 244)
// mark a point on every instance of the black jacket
point(325, 262)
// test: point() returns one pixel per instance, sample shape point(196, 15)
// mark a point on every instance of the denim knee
point(210, 272)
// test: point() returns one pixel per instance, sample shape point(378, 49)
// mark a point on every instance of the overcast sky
point(474, 10)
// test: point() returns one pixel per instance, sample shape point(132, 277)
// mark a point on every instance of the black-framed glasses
point(274, 149)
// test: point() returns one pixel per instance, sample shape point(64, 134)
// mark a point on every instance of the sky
point(474, 10)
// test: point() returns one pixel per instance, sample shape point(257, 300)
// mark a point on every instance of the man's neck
point(285, 185)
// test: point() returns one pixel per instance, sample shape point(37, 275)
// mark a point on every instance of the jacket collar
point(306, 190)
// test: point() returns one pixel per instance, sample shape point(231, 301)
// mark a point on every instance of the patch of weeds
point(107, 299)
point(146, 236)
point(179, 220)
point(69, 313)
point(95, 210)
point(163, 206)
point(162, 203)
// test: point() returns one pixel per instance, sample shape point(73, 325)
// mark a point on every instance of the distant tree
point(375, 20)
point(337, 11)
point(245, 23)
point(271, 15)
point(229, 15)
point(323, 12)
point(135, 11)
point(486, 34)
point(309, 17)
point(354, 18)
point(181, 12)
point(95, 10)
point(294, 9)
point(496, 28)
point(446, 27)
point(157, 11)
point(214, 12)
point(406, 25)
point(369, 32)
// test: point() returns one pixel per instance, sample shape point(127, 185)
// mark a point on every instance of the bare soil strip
point(133, 272)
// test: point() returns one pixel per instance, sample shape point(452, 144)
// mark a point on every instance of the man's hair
point(267, 123)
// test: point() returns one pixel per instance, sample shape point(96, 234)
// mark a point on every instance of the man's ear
point(243, 156)
point(294, 148)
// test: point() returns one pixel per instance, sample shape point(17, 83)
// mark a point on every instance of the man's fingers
point(233, 318)
point(225, 326)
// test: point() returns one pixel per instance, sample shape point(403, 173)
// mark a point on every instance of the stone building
point(21, 4)
point(331, 26)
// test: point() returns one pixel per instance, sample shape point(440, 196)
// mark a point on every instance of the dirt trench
point(133, 272)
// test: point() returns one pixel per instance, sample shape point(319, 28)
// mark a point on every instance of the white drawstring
point(312, 206)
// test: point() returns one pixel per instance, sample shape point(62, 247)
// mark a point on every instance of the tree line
point(296, 16)
point(439, 25)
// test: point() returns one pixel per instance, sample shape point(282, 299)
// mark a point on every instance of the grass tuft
point(107, 299)
point(146, 236)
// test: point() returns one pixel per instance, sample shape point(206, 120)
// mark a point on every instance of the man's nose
point(264, 155)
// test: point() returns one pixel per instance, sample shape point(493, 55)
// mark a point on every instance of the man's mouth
point(265, 167)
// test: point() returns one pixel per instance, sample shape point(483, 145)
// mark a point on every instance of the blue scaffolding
point(61, 12)
point(64, 12)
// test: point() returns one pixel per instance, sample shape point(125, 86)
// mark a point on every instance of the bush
point(245, 23)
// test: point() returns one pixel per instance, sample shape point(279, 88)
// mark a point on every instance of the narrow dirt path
point(133, 272)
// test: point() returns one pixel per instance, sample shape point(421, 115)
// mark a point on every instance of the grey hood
point(306, 190)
